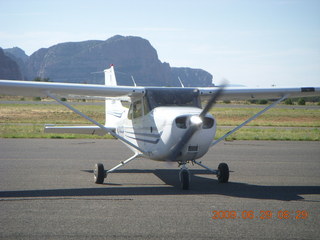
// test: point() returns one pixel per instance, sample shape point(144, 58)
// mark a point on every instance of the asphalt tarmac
point(47, 192)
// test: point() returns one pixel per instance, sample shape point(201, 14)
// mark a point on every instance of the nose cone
point(191, 137)
point(195, 120)
point(173, 123)
point(193, 141)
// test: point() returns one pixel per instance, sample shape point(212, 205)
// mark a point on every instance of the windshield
point(173, 97)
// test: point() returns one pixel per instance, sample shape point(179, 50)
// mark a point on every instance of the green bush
point(301, 101)
point(288, 101)
point(263, 101)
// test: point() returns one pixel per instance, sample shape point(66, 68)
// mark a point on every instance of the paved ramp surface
point(47, 192)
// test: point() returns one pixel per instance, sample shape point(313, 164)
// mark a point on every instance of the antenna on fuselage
point(134, 82)
point(181, 82)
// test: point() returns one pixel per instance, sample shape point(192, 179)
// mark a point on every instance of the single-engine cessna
point(162, 124)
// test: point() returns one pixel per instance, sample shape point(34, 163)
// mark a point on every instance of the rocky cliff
point(20, 57)
point(84, 62)
point(192, 77)
point(9, 69)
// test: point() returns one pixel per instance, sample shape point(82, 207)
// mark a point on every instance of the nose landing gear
point(184, 176)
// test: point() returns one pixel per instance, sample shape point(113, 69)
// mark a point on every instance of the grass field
point(26, 121)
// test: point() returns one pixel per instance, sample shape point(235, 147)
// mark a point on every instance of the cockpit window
point(173, 97)
point(135, 110)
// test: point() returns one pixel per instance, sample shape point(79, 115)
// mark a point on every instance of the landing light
point(195, 120)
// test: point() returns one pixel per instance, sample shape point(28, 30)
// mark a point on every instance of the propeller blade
point(183, 141)
point(212, 101)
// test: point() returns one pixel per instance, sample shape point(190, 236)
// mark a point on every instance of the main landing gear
point(99, 173)
point(223, 173)
point(184, 175)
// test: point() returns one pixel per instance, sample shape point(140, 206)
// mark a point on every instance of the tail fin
point(114, 109)
point(110, 77)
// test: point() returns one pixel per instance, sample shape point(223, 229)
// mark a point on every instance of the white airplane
point(163, 124)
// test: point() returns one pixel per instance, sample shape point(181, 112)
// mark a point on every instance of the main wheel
point(223, 175)
point(184, 179)
point(98, 173)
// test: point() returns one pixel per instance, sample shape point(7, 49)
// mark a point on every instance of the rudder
point(113, 108)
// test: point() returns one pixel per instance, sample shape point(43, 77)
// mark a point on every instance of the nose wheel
point(184, 176)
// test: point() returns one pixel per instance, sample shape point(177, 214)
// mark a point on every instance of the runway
point(47, 191)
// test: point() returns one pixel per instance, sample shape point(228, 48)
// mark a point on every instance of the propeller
point(195, 123)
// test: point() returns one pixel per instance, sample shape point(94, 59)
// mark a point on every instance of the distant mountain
point(17, 53)
point(20, 57)
point(84, 62)
point(9, 69)
point(192, 77)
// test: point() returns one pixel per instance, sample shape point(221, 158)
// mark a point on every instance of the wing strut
point(107, 130)
point(122, 163)
point(249, 120)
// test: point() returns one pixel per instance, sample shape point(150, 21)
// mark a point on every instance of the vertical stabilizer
point(114, 109)
point(110, 77)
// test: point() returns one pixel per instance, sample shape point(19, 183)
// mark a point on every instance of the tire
point(184, 179)
point(223, 176)
point(98, 173)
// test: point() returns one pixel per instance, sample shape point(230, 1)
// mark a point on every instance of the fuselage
point(157, 129)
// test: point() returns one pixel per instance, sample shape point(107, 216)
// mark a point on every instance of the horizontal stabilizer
point(92, 130)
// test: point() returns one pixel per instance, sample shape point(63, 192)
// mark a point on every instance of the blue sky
point(253, 43)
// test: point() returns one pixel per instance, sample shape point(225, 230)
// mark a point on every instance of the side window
point(146, 108)
point(137, 109)
point(130, 111)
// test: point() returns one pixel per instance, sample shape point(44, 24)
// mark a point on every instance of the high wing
point(43, 89)
point(242, 93)
point(278, 94)
point(57, 90)
point(54, 90)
